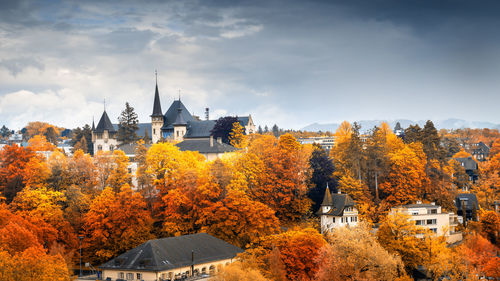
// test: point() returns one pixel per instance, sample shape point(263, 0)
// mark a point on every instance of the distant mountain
point(440, 124)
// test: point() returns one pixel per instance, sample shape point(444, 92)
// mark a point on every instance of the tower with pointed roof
point(337, 210)
point(156, 117)
point(180, 125)
point(104, 135)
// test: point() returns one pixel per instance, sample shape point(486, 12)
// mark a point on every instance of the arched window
point(212, 269)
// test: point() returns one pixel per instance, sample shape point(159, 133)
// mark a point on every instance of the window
point(163, 276)
point(121, 275)
point(333, 219)
point(433, 230)
point(432, 221)
point(420, 222)
point(154, 131)
point(414, 213)
point(139, 276)
point(434, 211)
point(342, 220)
point(130, 276)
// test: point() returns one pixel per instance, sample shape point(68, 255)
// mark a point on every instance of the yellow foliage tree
point(237, 136)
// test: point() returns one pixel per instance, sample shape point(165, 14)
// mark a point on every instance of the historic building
point(176, 124)
point(175, 258)
point(337, 210)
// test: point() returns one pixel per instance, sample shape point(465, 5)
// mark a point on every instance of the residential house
point(337, 210)
point(480, 151)
point(173, 258)
point(467, 203)
point(470, 166)
point(432, 217)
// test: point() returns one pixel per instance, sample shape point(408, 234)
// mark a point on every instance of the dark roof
point(338, 203)
point(327, 198)
point(398, 126)
point(130, 148)
point(203, 146)
point(171, 115)
point(179, 120)
point(104, 124)
point(199, 129)
point(470, 200)
point(243, 120)
point(156, 104)
point(468, 163)
point(142, 128)
point(173, 252)
point(420, 206)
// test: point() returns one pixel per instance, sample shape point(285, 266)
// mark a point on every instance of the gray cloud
point(287, 62)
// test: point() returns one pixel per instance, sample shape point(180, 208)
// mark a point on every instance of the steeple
point(104, 124)
point(93, 125)
point(327, 199)
point(156, 104)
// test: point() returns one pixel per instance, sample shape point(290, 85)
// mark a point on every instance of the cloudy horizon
point(291, 63)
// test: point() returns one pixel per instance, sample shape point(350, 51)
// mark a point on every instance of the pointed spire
point(93, 125)
point(327, 199)
point(156, 104)
point(104, 124)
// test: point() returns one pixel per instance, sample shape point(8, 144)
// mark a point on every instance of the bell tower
point(157, 116)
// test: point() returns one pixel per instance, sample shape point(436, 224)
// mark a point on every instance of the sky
point(290, 63)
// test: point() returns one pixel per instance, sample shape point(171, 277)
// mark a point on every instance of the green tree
point(5, 132)
point(85, 132)
point(128, 125)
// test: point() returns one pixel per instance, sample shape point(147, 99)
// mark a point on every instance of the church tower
point(157, 116)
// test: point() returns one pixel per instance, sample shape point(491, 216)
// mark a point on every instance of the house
point(480, 151)
point(398, 130)
point(337, 210)
point(432, 217)
point(470, 166)
point(210, 148)
point(467, 202)
point(173, 258)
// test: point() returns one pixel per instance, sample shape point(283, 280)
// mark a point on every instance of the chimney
point(207, 113)
point(211, 141)
point(219, 139)
point(339, 191)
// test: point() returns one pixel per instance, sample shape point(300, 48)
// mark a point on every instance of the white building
point(325, 142)
point(337, 210)
point(432, 217)
point(174, 258)
point(104, 135)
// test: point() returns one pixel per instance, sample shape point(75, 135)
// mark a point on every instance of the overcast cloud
point(286, 62)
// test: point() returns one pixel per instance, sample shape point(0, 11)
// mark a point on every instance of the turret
point(180, 126)
point(104, 135)
point(156, 117)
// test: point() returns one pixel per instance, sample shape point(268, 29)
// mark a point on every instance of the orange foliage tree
point(115, 223)
point(13, 162)
point(480, 256)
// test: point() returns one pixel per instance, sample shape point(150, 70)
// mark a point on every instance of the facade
point(470, 166)
point(337, 210)
point(104, 135)
point(467, 207)
point(325, 142)
point(173, 258)
point(480, 151)
point(431, 217)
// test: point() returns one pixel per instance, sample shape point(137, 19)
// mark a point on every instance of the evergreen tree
point(51, 135)
point(86, 132)
point(82, 144)
point(223, 126)
point(128, 125)
point(322, 173)
point(266, 129)
point(5, 132)
point(412, 134)
point(260, 130)
point(276, 131)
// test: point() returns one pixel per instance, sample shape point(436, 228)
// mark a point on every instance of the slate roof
point(203, 146)
point(419, 206)
point(337, 202)
point(173, 252)
point(470, 200)
point(171, 115)
point(104, 124)
point(156, 104)
point(179, 120)
point(129, 149)
point(199, 129)
point(468, 163)
point(244, 120)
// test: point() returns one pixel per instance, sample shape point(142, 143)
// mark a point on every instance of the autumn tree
point(298, 251)
point(237, 136)
point(82, 171)
point(223, 127)
point(481, 256)
point(115, 223)
point(238, 272)
point(50, 132)
point(490, 226)
point(13, 162)
point(355, 254)
point(398, 235)
point(84, 132)
point(81, 145)
point(128, 124)
point(283, 183)
point(119, 175)
point(406, 179)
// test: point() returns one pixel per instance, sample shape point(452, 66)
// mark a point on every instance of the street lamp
point(80, 237)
